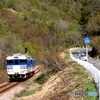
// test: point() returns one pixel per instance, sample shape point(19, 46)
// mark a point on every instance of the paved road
point(95, 62)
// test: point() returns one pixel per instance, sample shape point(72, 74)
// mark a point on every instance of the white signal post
point(87, 51)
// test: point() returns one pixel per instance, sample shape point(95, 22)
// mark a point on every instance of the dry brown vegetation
point(3, 76)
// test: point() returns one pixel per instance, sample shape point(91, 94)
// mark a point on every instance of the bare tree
point(8, 45)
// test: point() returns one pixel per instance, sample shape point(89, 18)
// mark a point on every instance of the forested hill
point(47, 26)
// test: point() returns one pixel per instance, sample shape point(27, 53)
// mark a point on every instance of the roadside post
point(86, 41)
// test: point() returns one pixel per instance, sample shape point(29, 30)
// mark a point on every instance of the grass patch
point(45, 76)
point(31, 89)
point(88, 86)
point(30, 92)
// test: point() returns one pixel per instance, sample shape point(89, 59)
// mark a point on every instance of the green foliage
point(12, 3)
point(95, 42)
point(89, 11)
point(3, 28)
point(73, 36)
point(94, 23)
point(35, 3)
point(32, 48)
point(4, 3)
point(47, 24)
point(7, 3)
point(74, 39)
point(36, 13)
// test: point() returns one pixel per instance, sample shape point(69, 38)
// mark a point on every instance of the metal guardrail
point(92, 69)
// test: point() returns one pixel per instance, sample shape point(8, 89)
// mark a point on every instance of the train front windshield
point(9, 62)
point(23, 61)
point(17, 62)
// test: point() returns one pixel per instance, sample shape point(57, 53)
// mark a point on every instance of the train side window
point(33, 62)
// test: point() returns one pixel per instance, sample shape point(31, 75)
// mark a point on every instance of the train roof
point(18, 56)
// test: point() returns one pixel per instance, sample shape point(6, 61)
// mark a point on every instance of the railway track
point(9, 85)
point(37, 70)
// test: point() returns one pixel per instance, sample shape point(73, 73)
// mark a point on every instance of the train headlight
point(22, 67)
point(9, 67)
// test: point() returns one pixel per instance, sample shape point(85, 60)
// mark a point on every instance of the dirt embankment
point(63, 83)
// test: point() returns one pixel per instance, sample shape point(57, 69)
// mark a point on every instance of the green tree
point(95, 42)
point(3, 27)
point(93, 25)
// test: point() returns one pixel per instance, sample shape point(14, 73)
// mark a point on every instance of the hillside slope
point(73, 78)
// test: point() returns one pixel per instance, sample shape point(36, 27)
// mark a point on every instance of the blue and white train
point(19, 66)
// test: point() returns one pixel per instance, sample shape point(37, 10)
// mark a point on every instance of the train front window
point(16, 62)
point(9, 62)
point(23, 61)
